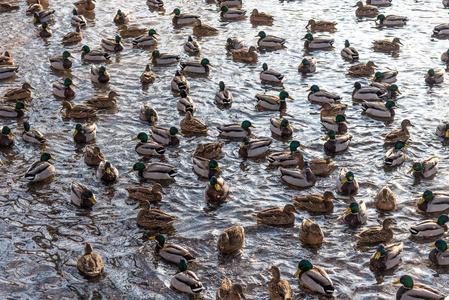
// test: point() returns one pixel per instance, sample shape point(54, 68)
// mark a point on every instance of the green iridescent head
point(205, 62)
point(353, 207)
point(417, 167)
point(399, 145)
point(314, 88)
point(246, 124)
point(380, 252)
point(357, 85)
point(118, 39)
point(6, 130)
point(75, 12)
point(46, 156)
point(173, 131)
point(176, 11)
point(303, 266)
point(442, 220)
point(331, 135)
point(68, 82)
point(340, 119)
point(245, 141)
point(431, 72)
point(222, 86)
point(347, 44)
point(143, 137)
point(26, 126)
point(85, 49)
point(406, 281)
point(390, 104)
point(189, 39)
point(378, 75)
point(262, 34)
point(138, 167)
point(102, 70)
point(264, 66)
point(213, 164)
point(152, 32)
point(66, 54)
point(380, 17)
point(349, 176)
point(44, 25)
point(427, 195)
point(440, 245)
point(284, 95)
point(19, 106)
point(294, 145)
point(224, 8)
point(305, 62)
point(308, 37)
point(284, 123)
point(87, 194)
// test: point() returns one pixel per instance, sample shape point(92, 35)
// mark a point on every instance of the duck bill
point(411, 170)
point(289, 97)
point(132, 170)
point(180, 133)
point(218, 169)
point(303, 38)
point(289, 127)
point(433, 245)
point(52, 158)
point(76, 132)
point(327, 137)
point(210, 65)
point(427, 75)
point(446, 134)
point(377, 255)
point(242, 145)
point(152, 238)
point(108, 171)
point(297, 272)
point(309, 91)
point(117, 17)
point(151, 57)
point(152, 119)
point(217, 187)
point(406, 146)
point(398, 92)
point(347, 122)
point(252, 126)
point(227, 44)
point(421, 201)
point(397, 281)
point(396, 106)
point(301, 145)
point(93, 199)
point(136, 138)
point(344, 180)
point(301, 64)
point(26, 109)
point(347, 211)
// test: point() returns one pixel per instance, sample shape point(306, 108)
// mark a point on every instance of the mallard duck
point(205, 168)
point(85, 5)
point(223, 96)
point(278, 288)
point(337, 143)
point(387, 45)
point(254, 148)
point(337, 124)
point(22, 93)
point(280, 127)
point(321, 25)
point(192, 47)
point(386, 257)
point(366, 10)
point(185, 103)
point(315, 203)
point(78, 111)
point(106, 172)
point(216, 189)
point(99, 74)
point(362, 69)
point(267, 102)
point(43, 16)
point(235, 130)
point(277, 216)
point(376, 235)
point(433, 202)
point(196, 67)
point(356, 214)
point(426, 168)
point(6, 137)
point(368, 93)
point(312, 43)
point(385, 199)
point(78, 20)
point(114, 45)
point(6, 59)
point(346, 183)
point(230, 3)
point(155, 171)
point(147, 76)
point(430, 228)
point(165, 137)
point(270, 75)
point(186, 281)
point(64, 90)
point(61, 62)
point(148, 114)
point(286, 159)
point(445, 56)
point(439, 255)
point(183, 19)
point(155, 4)
point(94, 55)
point(153, 218)
point(81, 195)
point(209, 150)
point(231, 239)
point(41, 170)
point(229, 291)
point(314, 278)
point(410, 290)
point(379, 110)
point(391, 20)
point(90, 264)
point(13, 111)
point(145, 193)
point(73, 37)
point(108, 101)
point(85, 133)
point(399, 134)
point(379, 3)
point(171, 252)
point(146, 148)
point(310, 233)
point(434, 77)
point(93, 155)
point(443, 129)
point(349, 52)
point(269, 41)
point(32, 136)
point(8, 71)
point(234, 44)
point(121, 17)
point(395, 156)
point(34, 7)
point(332, 109)
point(385, 77)
point(179, 82)
point(45, 31)
point(319, 96)
point(192, 125)
point(232, 14)
point(299, 178)
point(307, 65)
point(146, 40)
point(133, 31)
point(244, 55)
point(260, 18)
point(201, 29)
point(390, 91)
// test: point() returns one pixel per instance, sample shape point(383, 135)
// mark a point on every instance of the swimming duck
point(171, 252)
point(385, 77)
point(270, 41)
point(254, 148)
point(85, 5)
point(379, 3)
point(153, 218)
point(32, 136)
point(369, 11)
point(346, 183)
point(121, 17)
point(40, 170)
point(8, 71)
point(93, 155)
point(114, 45)
point(356, 214)
point(280, 127)
point(299, 178)
point(445, 56)
point(376, 235)
point(231, 14)
point(205, 168)
point(145, 193)
point(362, 69)
point(231, 239)
point(148, 114)
point(78, 111)
point(64, 90)
point(332, 109)
point(6, 137)
point(22, 93)
point(155, 171)
point(185, 103)
point(315, 203)
point(395, 156)
point(196, 67)
point(312, 43)
point(146, 40)
point(277, 216)
point(368, 93)
point(244, 55)
point(320, 96)
point(433, 202)
point(223, 96)
point(430, 228)
point(6, 59)
point(61, 62)
point(391, 20)
point(434, 77)
point(391, 91)
point(314, 278)
point(229, 291)
point(399, 134)
point(426, 168)
point(439, 255)
point(186, 281)
point(90, 264)
point(443, 129)
point(99, 102)
point(321, 25)
point(193, 125)
point(410, 290)
point(164, 136)
point(153, 4)
point(234, 44)
point(260, 18)
point(230, 3)
point(379, 110)
point(13, 111)
point(133, 31)
point(267, 102)
point(307, 65)
point(34, 7)
point(310, 233)
point(99, 74)
point(106, 172)
point(386, 257)
point(385, 199)
point(201, 29)
point(387, 45)
point(285, 159)
point(216, 189)
point(85, 133)
point(73, 37)
point(337, 124)
point(147, 76)
point(269, 75)
point(43, 16)
point(209, 150)
point(45, 31)
point(78, 20)
point(179, 82)
point(349, 52)
point(183, 19)
point(235, 130)
point(337, 143)
point(94, 55)
point(192, 47)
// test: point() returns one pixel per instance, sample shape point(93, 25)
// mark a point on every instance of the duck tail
point(413, 231)
point(364, 106)
point(160, 150)
point(329, 289)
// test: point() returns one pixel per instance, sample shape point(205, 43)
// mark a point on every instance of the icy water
point(43, 234)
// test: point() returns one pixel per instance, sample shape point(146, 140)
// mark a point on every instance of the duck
point(205, 168)
point(270, 41)
point(260, 18)
point(145, 193)
point(244, 55)
point(223, 96)
point(337, 143)
point(171, 252)
point(146, 148)
point(183, 19)
point(155, 4)
point(254, 148)
point(299, 178)
point(179, 82)
point(410, 290)
point(81, 195)
point(234, 44)
point(216, 189)
point(281, 127)
point(346, 183)
point(369, 11)
point(22, 93)
point(387, 45)
point(278, 287)
point(307, 65)
point(443, 129)
point(85, 5)
point(85, 133)
point(375, 235)
point(391, 91)
point(232, 14)
point(146, 40)
point(45, 31)
point(201, 29)
point(192, 47)
point(434, 77)
point(64, 90)
point(230, 3)
point(320, 96)
point(386, 257)
point(430, 228)
point(78, 111)
point(231, 239)
point(185, 103)
point(43, 16)
point(379, 110)
point(6, 59)
point(229, 291)
point(368, 93)
point(310, 233)
point(385, 199)
point(379, 3)
point(99, 74)
point(209, 150)
point(236, 130)
point(332, 109)
point(155, 171)
point(77, 20)
point(399, 134)
point(73, 37)
point(356, 214)
point(6, 137)
point(35, 6)
point(445, 56)
point(186, 281)
point(153, 218)
point(312, 43)
point(114, 45)
point(90, 264)
point(62, 62)
point(286, 159)
point(121, 17)
point(128, 31)
point(349, 52)
point(432, 202)
point(32, 136)
point(164, 136)
point(396, 156)
point(93, 155)
point(268, 102)
point(99, 102)
point(148, 114)
point(362, 69)
point(270, 75)
point(337, 124)
point(94, 55)
point(277, 216)
point(391, 20)
point(314, 278)
point(321, 25)
point(425, 168)
point(439, 255)
point(8, 71)
point(106, 172)
point(315, 203)
point(385, 77)
point(41, 170)
point(193, 125)
point(13, 111)
point(196, 67)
